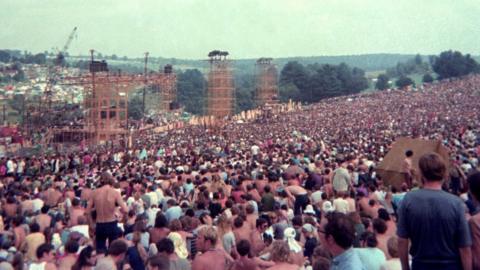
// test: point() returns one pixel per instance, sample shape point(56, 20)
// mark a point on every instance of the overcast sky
point(245, 28)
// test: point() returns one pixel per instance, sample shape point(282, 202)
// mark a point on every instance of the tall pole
point(145, 85)
point(93, 96)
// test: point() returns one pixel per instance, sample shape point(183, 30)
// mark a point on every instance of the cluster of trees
point(401, 70)
point(191, 90)
point(135, 106)
point(26, 58)
point(297, 82)
point(314, 82)
point(451, 64)
point(411, 66)
point(448, 64)
point(384, 82)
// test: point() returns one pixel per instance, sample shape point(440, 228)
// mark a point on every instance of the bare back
point(104, 201)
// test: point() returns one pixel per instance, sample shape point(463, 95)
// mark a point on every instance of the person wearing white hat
point(296, 251)
point(309, 210)
point(327, 207)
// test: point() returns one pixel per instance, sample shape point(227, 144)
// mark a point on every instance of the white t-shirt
point(159, 164)
point(21, 166)
point(153, 197)
point(380, 195)
point(152, 214)
point(341, 205)
point(255, 149)
point(317, 196)
point(37, 204)
point(11, 166)
point(83, 229)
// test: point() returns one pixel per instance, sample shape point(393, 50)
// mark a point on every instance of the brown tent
point(390, 169)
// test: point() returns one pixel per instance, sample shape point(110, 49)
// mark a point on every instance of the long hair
point(83, 257)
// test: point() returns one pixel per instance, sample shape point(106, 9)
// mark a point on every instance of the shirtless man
point(70, 257)
point(380, 229)
point(75, 212)
point(104, 200)
point(211, 258)
point(254, 193)
point(26, 204)
point(251, 216)
point(242, 229)
point(299, 195)
point(256, 241)
point(19, 231)
point(52, 196)
point(407, 168)
point(260, 183)
point(43, 219)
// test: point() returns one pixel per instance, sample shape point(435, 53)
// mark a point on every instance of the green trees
point(403, 81)
point(27, 58)
point(244, 92)
point(135, 107)
point(453, 64)
point(427, 78)
point(191, 90)
point(314, 82)
point(382, 82)
point(4, 56)
point(411, 66)
point(295, 73)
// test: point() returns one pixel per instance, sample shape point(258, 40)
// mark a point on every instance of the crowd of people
point(296, 190)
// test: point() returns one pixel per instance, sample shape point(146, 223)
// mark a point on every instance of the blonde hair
point(209, 233)
point(224, 225)
point(280, 251)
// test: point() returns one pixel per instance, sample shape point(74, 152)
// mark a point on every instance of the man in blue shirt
point(339, 235)
point(174, 211)
point(434, 222)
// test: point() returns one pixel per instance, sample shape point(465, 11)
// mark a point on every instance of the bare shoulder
point(50, 266)
point(200, 262)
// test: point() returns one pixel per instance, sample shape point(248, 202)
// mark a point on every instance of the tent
point(390, 169)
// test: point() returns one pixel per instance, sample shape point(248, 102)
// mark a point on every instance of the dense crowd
point(289, 191)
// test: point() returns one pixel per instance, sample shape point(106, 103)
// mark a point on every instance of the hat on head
point(289, 235)
point(328, 207)
point(309, 210)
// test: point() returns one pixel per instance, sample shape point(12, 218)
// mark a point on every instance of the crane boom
point(60, 60)
point(69, 40)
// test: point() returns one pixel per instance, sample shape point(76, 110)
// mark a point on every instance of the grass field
point(371, 75)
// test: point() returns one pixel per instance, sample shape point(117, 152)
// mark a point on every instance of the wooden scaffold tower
point(220, 93)
point(266, 82)
point(163, 97)
point(106, 100)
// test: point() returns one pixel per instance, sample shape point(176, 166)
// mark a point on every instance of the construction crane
point(52, 76)
point(60, 60)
